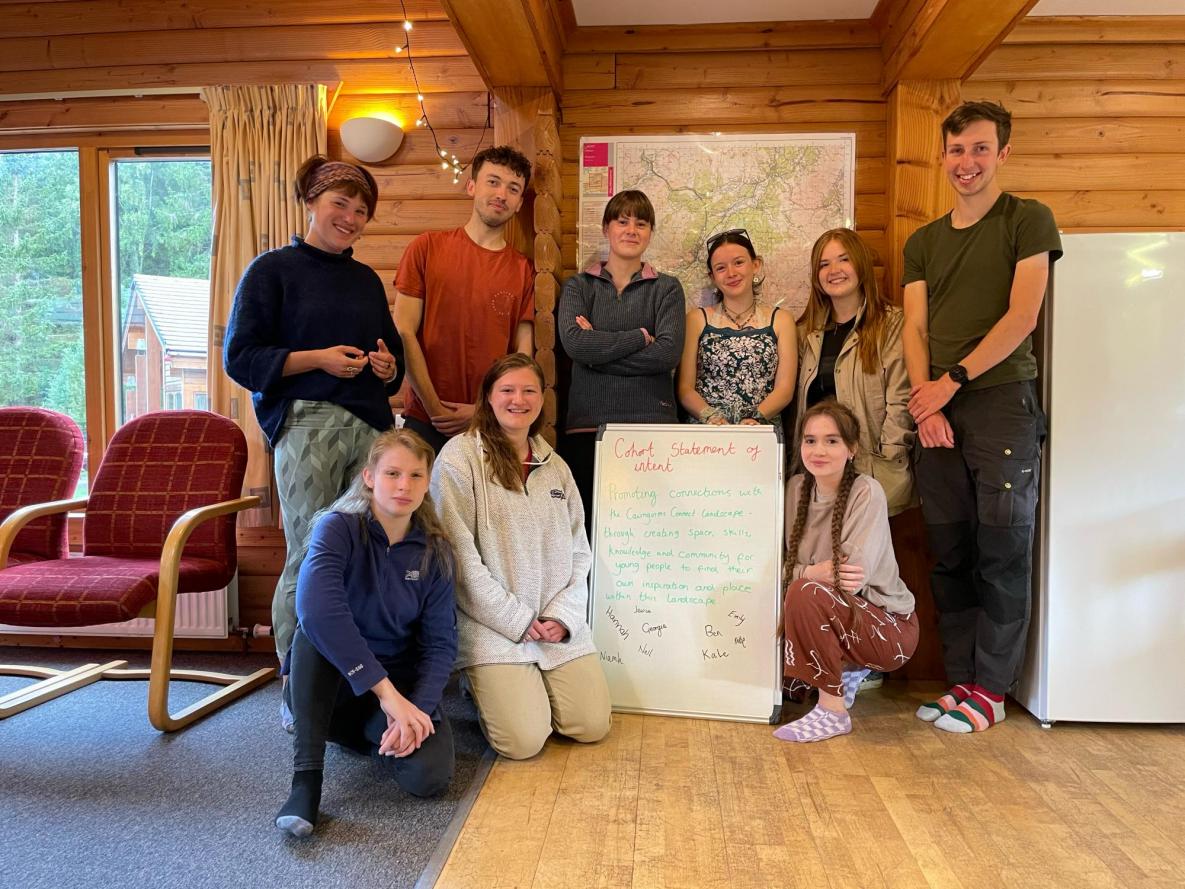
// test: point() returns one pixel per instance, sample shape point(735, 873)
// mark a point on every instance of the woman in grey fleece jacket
point(512, 511)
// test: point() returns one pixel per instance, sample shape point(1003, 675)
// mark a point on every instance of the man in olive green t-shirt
point(974, 281)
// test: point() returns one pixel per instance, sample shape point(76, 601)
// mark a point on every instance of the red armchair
point(160, 521)
point(40, 459)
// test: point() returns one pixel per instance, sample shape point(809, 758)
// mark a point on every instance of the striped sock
point(934, 709)
point(979, 712)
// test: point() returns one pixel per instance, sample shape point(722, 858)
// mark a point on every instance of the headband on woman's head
point(334, 173)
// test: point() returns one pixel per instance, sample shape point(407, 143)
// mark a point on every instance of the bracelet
point(708, 413)
point(759, 416)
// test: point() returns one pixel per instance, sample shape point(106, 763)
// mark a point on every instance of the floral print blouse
point(735, 369)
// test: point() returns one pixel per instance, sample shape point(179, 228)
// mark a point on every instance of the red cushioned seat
point(93, 589)
point(160, 521)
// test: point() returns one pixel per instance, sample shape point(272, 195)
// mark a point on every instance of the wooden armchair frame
point(55, 683)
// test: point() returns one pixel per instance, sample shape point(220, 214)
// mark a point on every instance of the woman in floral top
point(740, 357)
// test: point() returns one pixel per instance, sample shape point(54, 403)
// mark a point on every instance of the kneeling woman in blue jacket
point(377, 631)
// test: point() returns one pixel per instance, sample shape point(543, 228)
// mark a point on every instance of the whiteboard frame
point(779, 538)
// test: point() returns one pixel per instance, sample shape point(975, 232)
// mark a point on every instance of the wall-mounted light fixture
point(371, 139)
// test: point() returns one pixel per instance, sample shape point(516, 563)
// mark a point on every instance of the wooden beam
point(102, 138)
point(1100, 28)
point(917, 191)
point(456, 111)
point(86, 16)
point(1088, 61)
point(114, 113)
point(567, 17)
point(358, 76)
point(607, 109)
point(513, 43)
point(517, 111)
point(1085, 98)
point(1091, 135)
point(799, 67)
point(714, 38)
point(946, 39)
point(222, 45)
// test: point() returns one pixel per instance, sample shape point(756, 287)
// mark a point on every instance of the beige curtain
point(259, 137)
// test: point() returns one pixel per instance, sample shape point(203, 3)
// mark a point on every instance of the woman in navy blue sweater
point(310, 335)
point(377, 632)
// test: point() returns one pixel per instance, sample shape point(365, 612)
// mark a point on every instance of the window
point(200, 401)
point(41, 337)
point(162, 225)
point(104, 293)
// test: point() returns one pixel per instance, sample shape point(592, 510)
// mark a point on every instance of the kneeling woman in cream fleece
point(511, 508)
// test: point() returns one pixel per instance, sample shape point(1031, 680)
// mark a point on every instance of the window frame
point(96, 154)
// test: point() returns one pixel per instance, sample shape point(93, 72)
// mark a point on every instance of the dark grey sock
point(299, 815)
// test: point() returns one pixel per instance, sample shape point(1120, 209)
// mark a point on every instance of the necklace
point(744, 318)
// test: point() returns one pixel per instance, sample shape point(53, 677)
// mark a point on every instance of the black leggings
point(326, 709)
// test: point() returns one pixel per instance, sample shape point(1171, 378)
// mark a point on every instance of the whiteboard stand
point(685, 601)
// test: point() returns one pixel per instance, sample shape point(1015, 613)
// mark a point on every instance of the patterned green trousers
point(321, 449)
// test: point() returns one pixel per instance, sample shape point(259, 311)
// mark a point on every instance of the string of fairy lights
point(448, 160)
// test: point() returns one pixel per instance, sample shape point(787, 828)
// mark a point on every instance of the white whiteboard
point(687, 559)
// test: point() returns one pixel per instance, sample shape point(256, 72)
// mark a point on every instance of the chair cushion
point(157, 467)
point(93, 589)
point(40, 459)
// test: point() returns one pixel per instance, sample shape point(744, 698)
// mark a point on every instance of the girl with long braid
point(847, 610)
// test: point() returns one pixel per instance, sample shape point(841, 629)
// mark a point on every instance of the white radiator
point(199, 616)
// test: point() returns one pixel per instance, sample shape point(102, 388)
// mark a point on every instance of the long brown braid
point(849, 430)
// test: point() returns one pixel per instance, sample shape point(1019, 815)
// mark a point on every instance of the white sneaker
point(872, 680)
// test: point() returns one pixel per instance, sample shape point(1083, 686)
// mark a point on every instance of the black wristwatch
point(958, 373)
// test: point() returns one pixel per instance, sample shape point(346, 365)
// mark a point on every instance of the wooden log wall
point(804, 77)
point(809, 78)
point(1098, 105)
point(165, 52)
point(1098, 109)
point(549, 195)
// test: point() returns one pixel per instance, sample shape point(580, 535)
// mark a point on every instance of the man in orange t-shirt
point(464, 298)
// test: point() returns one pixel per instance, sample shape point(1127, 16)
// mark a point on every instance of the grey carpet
point(92, 796)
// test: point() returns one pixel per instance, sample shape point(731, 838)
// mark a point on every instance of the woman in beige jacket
point(850, 350)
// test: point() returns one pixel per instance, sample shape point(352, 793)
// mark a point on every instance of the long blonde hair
point(872, 323)
point(358, 496)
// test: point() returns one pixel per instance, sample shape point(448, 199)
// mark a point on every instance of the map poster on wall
point(785, 190)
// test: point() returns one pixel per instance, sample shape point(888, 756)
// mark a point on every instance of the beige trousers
point(519, 705)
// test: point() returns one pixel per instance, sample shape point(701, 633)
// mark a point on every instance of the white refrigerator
point(1107, 642)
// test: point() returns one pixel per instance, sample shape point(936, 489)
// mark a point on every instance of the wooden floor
point(668, 802)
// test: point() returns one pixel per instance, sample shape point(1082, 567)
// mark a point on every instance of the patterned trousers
point(822, 637)
point(321, 449)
